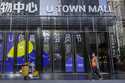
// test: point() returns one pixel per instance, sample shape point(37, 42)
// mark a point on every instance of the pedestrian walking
point(95, 65)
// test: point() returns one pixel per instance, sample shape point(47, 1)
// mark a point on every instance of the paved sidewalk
point(65, 76)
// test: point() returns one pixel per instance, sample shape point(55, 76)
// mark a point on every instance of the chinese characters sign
point(18, 8)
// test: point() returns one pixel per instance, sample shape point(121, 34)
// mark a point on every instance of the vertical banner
point(46, 52)
point(21, 48)
point(31, 51)
point(80, 67)
point(1, 50)
point(1, 46)
point(57, 51)
point(69, 55)
point(31, 48)
point(10, 53)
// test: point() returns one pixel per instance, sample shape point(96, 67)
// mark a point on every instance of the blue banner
point(46, 62)
point(1, 50)
point(1, 46)
point(21, 48)
point(32, 49)
point(80, 67)
point(10, 53)
point(69, 56)
point(69, 64)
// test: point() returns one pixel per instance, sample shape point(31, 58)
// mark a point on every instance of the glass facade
point(59, 45)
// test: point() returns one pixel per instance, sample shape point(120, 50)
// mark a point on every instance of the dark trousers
point(96, 71)
point(26, 77)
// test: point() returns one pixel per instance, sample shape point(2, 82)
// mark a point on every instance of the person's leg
point(97, 73)
point(94, 73)
point(26, 77)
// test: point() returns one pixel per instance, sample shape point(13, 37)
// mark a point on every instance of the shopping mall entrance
point(57, 45)
point(54, 51)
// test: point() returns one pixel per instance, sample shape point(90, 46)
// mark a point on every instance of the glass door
point(104, 52)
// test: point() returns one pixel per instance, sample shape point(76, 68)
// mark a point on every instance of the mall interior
point(60, 45)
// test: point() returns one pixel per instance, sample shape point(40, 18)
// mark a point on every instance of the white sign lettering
point(32, 7)
point(32, 38)
point(68, 43)
point(17, 7)
point(79, 8)
point(6, 7)
point(11, 38)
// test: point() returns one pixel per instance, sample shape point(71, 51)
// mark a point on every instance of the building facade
point(118, 8)
point(60, 36)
